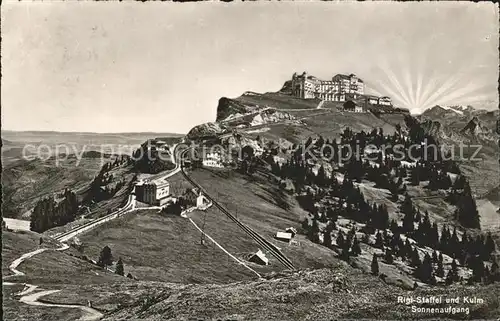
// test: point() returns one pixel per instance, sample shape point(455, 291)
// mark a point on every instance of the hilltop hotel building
point(153, 193)
point(340, 88)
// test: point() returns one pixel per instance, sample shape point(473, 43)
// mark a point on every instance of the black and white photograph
point(262, 160)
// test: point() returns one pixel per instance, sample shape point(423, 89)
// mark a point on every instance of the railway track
point(260, 240)
point(69, 234)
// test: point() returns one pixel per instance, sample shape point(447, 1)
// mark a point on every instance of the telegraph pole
point(202, 240)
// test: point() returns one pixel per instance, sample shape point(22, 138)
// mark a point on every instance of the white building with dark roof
point(213, 159)
point(283, 236)
point(386, 101)
point(372, 99)
point(260, 258)
point(153, 193)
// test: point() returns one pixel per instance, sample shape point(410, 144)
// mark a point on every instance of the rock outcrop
point(433, 128)
point(227, 107)
point(476, 129)
point(206, 130)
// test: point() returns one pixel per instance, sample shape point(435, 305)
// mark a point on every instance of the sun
point(411, 85)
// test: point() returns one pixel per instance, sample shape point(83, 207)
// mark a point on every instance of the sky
point(162, 67)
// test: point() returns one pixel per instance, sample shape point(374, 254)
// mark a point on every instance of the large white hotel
point(340, 88)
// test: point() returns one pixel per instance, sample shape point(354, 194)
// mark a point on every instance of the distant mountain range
point(462, 122)
point(53, 132)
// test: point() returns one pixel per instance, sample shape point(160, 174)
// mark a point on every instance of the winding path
point(29, 297)
point(32, 299)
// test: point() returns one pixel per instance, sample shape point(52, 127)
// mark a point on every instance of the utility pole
point(202, 239)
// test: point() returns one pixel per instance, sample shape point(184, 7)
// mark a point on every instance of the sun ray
point(443, 89)
point(406, 64)
point(475, 98)
point(464, 91)
point(427, 89)
point(394, 81)
point(386, 89)
point(419, 87)
point(391, 92)
point(449, 84)
point(394, 92)
point(407, 79)
point(373, 89)
point(423, 52)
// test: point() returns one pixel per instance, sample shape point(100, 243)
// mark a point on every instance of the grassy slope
point(50, 270)
point(291, 133)
point(164, 247)
point(333, 123)
point(264, 208)
point(278, 101)
point(328, 123)
point(126, 173)
point(25, 182)
point(15, 244)
point(48, 267)
point(483, 173)
point(307, 295)
point(12, 309)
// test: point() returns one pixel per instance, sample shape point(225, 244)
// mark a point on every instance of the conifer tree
point(383, 217)
point(440, 270)
point(327, 236)
point(433, 235)
point(415, 175)
point(385, 237)
point(340, 240)
point(394, 227)
point(331, 214)
point(408, 210)
point(314, 231)
point(495, 272)
point(425, 270)
point(407, 249)
point(449, 277)
point(379, 241)
point(466, 212)
point(415, 258)
point(105, 257)
point(374, 265)
point(119, 267)
point(321, 178)
point(418, 216)
point(477, 269)
point(434, 257)
point(454, 243)
point(452, 275)
point(489, 247)
point(388, 257)
point(356, 248)
point(444, 241)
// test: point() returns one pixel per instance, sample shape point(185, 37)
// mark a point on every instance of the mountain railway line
point(260, 240)
point(63, 237)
